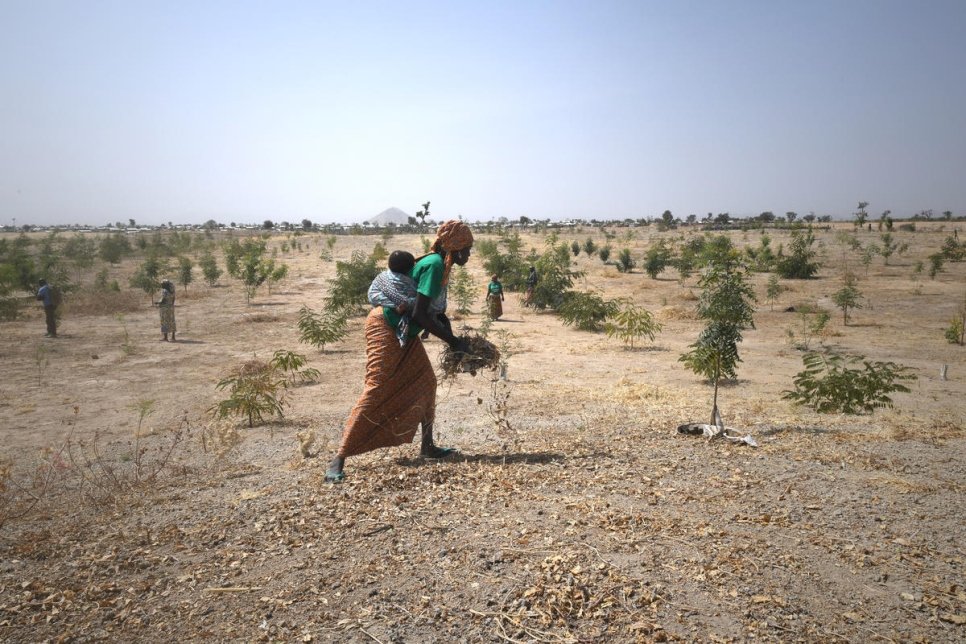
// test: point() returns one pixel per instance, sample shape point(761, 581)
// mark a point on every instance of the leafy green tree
point(555, 276)
point(423, 215)
point(320, 329)
point(861, 214)
point(625, 262)
point(575, 247)
point(147, 276)
point(630, 323)
point(658, 257)
point(253, 266)
point(185, 269)
point(800, 264)
point(463, 289)
point(829, 385)
point(726, 306)
point(20, 262)
point(511, 266)
point(379, 252)
point(586, 311)
point(868, 253)
point(848, 297)
point(255, 390)
point(604, 253)
point(81, 251)
point(812, 322)
point(890, 246)
point(209, 268)
point(936, 261)
point(276, 273)
point(762, 257)
point(350, 287)
point(589, 246)
point(953, 250)
point(773, 289)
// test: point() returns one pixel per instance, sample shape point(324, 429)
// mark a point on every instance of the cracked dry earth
point(590, 521)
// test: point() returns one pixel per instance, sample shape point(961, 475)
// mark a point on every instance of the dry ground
point(598, 524)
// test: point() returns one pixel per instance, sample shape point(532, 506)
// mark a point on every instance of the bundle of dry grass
point(482, 355)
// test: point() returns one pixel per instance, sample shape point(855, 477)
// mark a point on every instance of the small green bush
point(625, 263)
point(350, 287)
point(319, 330)
point(586, 311)
point(829, 384)
point(799, 264)
point(255, 390)
point(632, 323)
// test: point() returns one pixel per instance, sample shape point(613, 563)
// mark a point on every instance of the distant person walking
point(48, 296)
point(494, 297)
point(166, 306)
point(532, 280)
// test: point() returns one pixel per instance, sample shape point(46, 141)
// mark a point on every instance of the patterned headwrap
point(452, 236)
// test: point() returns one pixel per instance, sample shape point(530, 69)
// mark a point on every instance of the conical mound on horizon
point(390, 216)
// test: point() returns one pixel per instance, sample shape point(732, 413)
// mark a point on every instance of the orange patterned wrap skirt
point(400, 392)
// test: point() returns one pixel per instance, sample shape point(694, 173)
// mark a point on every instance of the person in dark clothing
point(46, 295)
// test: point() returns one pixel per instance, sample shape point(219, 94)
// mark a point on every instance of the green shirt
point(495, 288)
point(428, 275)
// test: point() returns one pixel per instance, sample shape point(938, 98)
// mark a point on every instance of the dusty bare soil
point(597, 524)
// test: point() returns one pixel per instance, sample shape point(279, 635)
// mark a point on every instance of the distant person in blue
point(46, 295)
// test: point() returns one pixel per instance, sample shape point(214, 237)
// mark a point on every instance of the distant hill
point(390, 216)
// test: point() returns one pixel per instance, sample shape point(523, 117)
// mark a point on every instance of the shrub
point(379, 252)
point(589, 246)
point(657, 259)
point(555, 277)
point(349, 288)
point(762, 258)
point(952, 250)
point(293, 366)
point(209, 268)
point(632, 322)
point(575, 247)
point(276, 273)
point(463, 289)
point(147, 276)
point(773, 289)
point(847, 297)
point(813, 321)
point(799, 264)
point(511, 266)
point(625, 263)
point(185, 268)
point(956, 331)
point(113, 248)
point(319, 330)
point(254, 391)
point(829, 385)
point(604, 253)
point(586, 311)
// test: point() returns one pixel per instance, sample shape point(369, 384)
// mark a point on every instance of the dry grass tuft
point(261, 316)
point(677, 312)
point(483, 355)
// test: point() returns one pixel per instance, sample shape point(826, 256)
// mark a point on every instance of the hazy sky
point(185, 110)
